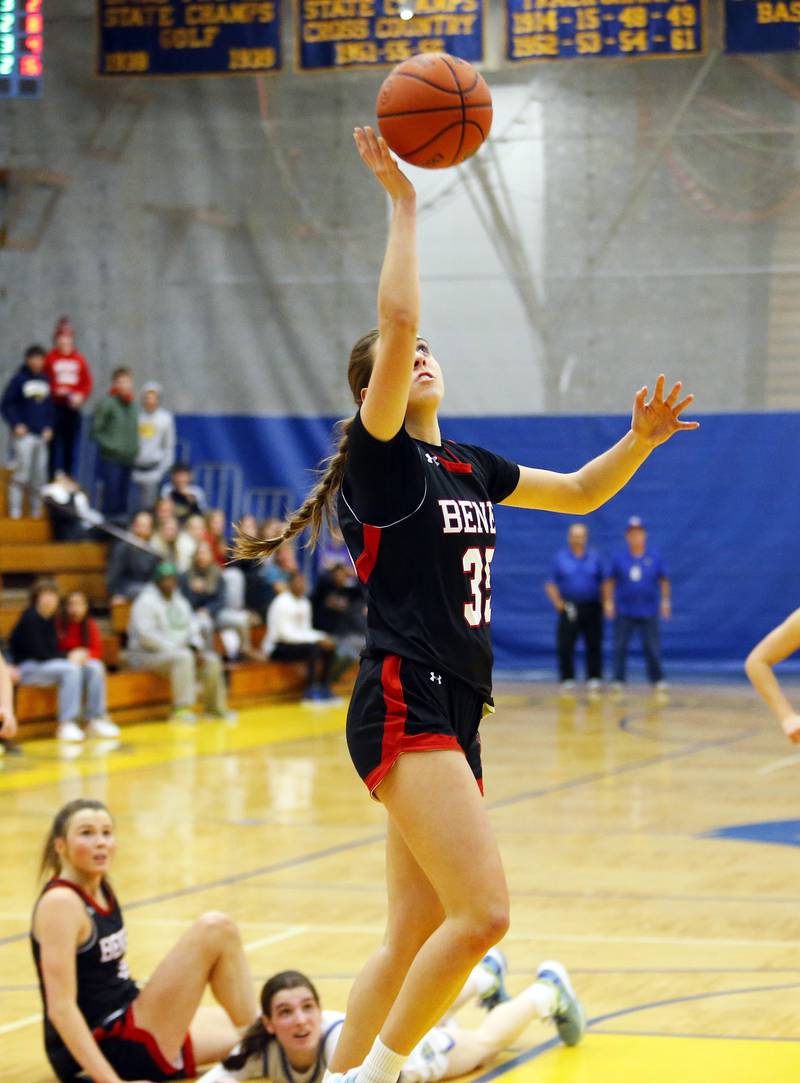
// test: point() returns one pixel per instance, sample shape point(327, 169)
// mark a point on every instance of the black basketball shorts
point(402, 706)
point(134, 1053)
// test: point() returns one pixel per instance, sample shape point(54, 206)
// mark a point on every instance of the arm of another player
point(773, 648)
point(58, 925)
point(384, 408)
point(590, 487)
point(8, 719)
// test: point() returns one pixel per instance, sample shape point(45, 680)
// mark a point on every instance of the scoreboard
point(21, 26)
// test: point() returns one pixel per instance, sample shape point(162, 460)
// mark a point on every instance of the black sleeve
point(383, 479)
point(501, 475)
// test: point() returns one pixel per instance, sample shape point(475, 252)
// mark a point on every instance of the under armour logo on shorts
point(436, 677)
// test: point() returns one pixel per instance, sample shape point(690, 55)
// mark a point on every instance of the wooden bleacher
point(27, 552)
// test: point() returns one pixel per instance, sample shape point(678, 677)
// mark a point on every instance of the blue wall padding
point(721, 504)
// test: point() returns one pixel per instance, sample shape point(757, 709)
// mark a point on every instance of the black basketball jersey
point(103, 981)
point(419, 524)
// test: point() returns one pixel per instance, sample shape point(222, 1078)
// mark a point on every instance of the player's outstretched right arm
point(386, 399)
point(773, 648)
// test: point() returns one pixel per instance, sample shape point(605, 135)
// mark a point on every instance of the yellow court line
point(602, 1058)
point(154, 743)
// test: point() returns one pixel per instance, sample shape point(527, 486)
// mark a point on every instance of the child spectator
point(27, 407)
point(37, 655)
point(131, 567)
point(291, 637)
point(188, 499)
point(71, 385)
point(156, 445)
point(162, 636)
point(79, 639)
point(115, 428)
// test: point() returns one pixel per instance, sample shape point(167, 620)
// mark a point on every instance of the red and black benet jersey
point(105, 988)
point(419, 524)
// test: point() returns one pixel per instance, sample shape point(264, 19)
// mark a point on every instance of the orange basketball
point(434, 110)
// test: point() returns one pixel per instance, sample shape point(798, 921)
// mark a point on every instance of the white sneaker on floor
point(567, 689)
point(69, 731)
point(102, 727)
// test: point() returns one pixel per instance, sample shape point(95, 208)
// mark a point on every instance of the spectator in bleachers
point(205, 589)
point(27, 408)
point(291, 637)
point(163, 637)
point(37, 655)
point(165, 539)
point(189, 499)
point(156, 453)
point(163, 509)
point(636, 592)
point(278, 570)
point(233, 576)
point(257, 594)
point(193, 531)
point(339, 607)
point(115, 428)
point(71, 385)
point(130, 568)
point(80, 641)
point(72, 518)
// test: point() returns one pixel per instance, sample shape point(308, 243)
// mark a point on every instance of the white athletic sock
point(543, 996)
point(382, 1065)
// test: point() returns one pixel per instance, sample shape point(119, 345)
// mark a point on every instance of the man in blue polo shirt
point(636, 592)
point(574, 588)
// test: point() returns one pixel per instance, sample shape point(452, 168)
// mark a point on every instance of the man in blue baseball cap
point(635, 594)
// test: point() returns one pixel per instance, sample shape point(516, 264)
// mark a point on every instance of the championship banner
point(188, 37)
point(762, 26)
point(372, 33)
point(21, 46)
point(564, 29)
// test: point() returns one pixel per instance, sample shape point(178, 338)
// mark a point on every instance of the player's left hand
point(655, 421)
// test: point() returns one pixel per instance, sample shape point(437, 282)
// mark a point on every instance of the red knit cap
point(63, 327)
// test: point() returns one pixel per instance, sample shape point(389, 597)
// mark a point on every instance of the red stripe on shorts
point(395, 739)
point(369, 555)
point(126, 1030)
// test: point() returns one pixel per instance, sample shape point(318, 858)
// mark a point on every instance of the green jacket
point(115, 427)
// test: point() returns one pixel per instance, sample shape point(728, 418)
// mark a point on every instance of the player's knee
point(487, 927)
point(218, 927)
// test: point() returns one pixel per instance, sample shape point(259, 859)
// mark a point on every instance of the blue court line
point(289, 863)
point(539, 1050)
point(626, 724)
point(702, 1037)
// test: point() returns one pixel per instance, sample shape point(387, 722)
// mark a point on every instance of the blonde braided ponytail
point(320, 504)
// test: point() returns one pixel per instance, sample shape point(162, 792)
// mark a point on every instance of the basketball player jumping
point(416, 513)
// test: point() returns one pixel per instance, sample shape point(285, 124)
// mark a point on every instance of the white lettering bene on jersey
point(113, 946)
point(467, 516)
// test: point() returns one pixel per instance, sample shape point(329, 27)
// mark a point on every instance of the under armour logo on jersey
point(436, 677)
point(432, 459)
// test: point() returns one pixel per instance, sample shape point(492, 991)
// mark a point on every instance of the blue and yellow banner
point(762, 26)
point(371, 33)
point(188, 37)
point(564, 29)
